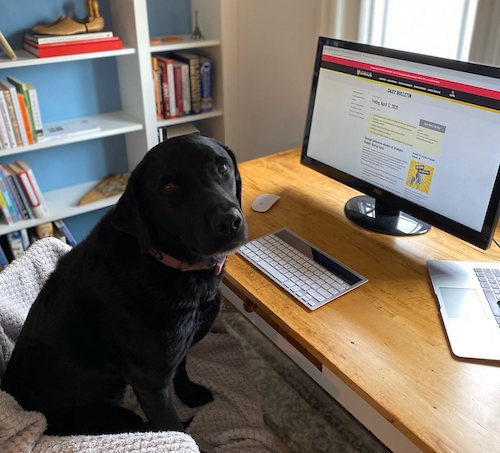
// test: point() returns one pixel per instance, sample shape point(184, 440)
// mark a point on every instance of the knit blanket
point(233, 422)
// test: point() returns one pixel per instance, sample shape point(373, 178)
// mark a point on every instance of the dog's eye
point(171, 187)
point(223, 168)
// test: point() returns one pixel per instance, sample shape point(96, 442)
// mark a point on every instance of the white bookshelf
point(137, 120)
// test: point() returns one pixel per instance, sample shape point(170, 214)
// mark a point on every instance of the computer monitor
point(419, 135)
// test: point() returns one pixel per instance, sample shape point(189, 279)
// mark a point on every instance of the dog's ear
point(127, 215)
point(236, 174)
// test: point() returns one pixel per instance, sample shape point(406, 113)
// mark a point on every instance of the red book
point(59, 51)
point(179, 102)
point(71, 43)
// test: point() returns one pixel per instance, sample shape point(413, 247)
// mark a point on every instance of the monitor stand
point(374, 215)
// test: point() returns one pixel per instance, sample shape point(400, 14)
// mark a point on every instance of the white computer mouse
point(264, 201)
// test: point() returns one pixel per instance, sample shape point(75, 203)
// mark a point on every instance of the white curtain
point(485, 44)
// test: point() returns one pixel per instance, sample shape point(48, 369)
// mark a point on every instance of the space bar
point(276, 274)
point(493, 301)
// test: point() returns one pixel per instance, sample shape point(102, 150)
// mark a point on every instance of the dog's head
point(184, 198)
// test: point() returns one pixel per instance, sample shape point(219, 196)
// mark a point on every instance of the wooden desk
point(385, 339)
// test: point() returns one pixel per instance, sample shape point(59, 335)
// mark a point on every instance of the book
point(166, 65)
point(45, 39)
point(15, 244)
point(75, 48)
point(110, 186)
point(165, 95)
point(4, 262)
point(14, 170)
point(4, 44)
point(4, 136)
point(17, 109)
point(32, 190)
point(8, 198)
point(206, 84)
point(35, 110)
point(157, 83)
point(193, 61)
point(6, 218)
point(65, 231)
point(186, 89)
point(179, 100)
point(69, 128)
point(22, 88)
point(22, 213)
point(4, 111)
point(12, 115)
point(25, 238)
point(26, 119)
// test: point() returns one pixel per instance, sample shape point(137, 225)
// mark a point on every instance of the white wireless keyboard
point(304, 271)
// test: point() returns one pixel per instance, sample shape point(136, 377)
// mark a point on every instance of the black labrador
point(126, 304)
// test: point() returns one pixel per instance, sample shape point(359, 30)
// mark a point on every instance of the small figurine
point(66, 26)
point(197, 34)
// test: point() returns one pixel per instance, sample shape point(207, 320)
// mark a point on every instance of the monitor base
point(374, 215)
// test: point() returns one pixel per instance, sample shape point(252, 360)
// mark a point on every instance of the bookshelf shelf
point(190, 118)
point(63, 203)
point(24, 58)
point(186, 44)
point(113, 123)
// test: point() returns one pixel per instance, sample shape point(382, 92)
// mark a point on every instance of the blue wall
point(74, 89)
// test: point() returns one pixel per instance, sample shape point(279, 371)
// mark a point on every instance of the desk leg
point(352, 402)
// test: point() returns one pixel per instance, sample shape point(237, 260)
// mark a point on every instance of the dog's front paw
point(194, 395)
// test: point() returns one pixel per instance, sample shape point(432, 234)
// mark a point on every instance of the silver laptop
point(468, 295)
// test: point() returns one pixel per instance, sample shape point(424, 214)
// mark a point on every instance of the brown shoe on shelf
point(40, 27)
point(67, 26)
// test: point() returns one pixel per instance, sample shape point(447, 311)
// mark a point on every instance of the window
point(441, 28)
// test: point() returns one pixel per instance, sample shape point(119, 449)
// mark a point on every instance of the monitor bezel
point(480, 239)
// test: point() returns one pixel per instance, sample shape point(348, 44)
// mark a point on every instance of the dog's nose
point(228, 223)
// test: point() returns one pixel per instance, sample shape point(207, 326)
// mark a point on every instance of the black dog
point(125, 305)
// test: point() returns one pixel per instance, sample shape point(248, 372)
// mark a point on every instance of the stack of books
point(13, 245)
point(20, 118)
point(183, 84)
point(44, 46)
point(20, 196)
point(167, 132)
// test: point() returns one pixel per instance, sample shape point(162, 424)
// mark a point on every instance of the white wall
point(268, 51)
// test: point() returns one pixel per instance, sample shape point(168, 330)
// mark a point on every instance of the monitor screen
point(419, 134)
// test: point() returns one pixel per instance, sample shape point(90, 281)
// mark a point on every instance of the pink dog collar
point(174, 263)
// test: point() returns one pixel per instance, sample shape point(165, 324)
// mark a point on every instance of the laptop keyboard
point(489, 279)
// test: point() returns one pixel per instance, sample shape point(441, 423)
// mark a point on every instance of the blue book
point(64, 230)
point(206, 84)
point(7, 196)
point(3, 259)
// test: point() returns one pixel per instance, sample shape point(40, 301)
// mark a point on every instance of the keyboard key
point(278, 275)
point(488, 273)
point(493, 301)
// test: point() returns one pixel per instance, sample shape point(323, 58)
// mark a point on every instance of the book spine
point(70, 43)
point(186, 90)
point(22, 213)
point(61, 51)
point(171, 88)
point(38, 192)
point(64, 229)
point(35, 110)
point(19, 115)
point(68, 38)
point(165, 95)
point(179, 101)
point(25, 238)
point(31, 195)
point(4, 136)
point(26, 119)
point(15, 244)
point(206, 84)
point(25, 202)
point(22, 88)
point(5, 210)
point(12, 117)
point(8, 199)
point(4, 262)
point(194, 80)
point(154, 64)
point(4, 111)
